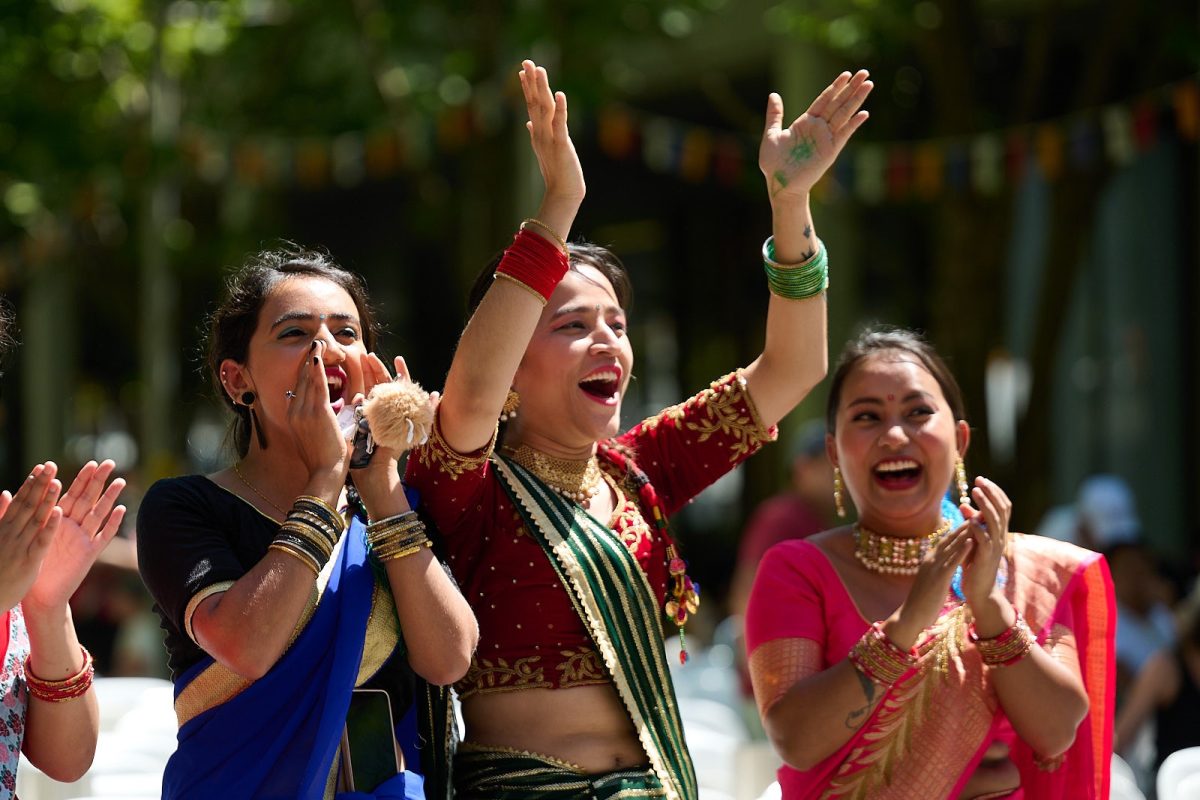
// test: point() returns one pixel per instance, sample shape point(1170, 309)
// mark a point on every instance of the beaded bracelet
point(1007, 648)
point(796, 281)
point(534, 262)
point(66, 689)
point(879, 658)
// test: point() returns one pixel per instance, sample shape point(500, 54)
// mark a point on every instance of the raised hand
point(28, 522)
point(90, 519)
point(794, 158)
point(555, 153)
point(930, 587)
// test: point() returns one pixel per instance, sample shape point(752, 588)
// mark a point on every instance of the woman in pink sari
point(926, 651)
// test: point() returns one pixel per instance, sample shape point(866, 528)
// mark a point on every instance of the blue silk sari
point(278, 736)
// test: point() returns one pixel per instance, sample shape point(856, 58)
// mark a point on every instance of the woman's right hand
point(322, 447)
point(553, 148)
point(927, 597)
point(28, 523)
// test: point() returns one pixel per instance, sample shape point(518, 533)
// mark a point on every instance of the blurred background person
point(805, 507)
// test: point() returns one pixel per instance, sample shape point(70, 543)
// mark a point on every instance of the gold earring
point(960, 477)
point(837, 492)
point(511, 404)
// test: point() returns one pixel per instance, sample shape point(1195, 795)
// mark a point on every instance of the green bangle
point(796, 281)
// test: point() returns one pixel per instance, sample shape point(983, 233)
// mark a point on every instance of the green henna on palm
point(802, 151)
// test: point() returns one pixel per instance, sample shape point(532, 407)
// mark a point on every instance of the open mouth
point(899, 473)
point(603, 385)
point(335, 380)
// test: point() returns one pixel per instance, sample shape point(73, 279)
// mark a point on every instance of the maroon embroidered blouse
point(530, 634)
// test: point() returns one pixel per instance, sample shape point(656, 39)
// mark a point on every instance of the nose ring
point(289, 394)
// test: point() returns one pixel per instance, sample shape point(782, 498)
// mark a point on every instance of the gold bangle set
point(398, 536)
point(310, 532)
point(880, 659)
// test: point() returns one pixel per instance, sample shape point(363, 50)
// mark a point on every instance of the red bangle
point(534, 262)
point(68, 688)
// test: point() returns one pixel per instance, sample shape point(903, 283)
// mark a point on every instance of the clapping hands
point(48, 543)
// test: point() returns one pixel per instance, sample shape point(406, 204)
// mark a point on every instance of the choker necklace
point(578, 481)
point(237, 470)
point(894, 555)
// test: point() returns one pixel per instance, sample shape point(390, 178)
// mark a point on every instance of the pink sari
point(932, 728)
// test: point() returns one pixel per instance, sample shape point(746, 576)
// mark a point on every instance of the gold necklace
point(575, 480)
point(894, 555)
point(237, 470)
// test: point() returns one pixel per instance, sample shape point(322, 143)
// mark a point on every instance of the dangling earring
point(248, 399)
point(511, 404)
point(837, 492)
point(960, 477)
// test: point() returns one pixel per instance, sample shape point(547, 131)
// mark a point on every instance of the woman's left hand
point(989, 526)
point(379, 483)
point(794, 158)
point(90, 519)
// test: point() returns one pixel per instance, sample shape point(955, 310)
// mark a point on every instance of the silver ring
point(289, 394)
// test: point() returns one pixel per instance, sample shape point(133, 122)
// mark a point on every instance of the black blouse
point(191, 534)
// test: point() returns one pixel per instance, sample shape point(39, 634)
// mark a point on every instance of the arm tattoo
point(858, 716)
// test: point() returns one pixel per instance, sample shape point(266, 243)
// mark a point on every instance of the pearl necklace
point(894, 555)
point(577, 481)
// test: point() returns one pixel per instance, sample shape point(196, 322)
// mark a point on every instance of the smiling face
point(896, 443)
point(577, 366)
point(298, 311)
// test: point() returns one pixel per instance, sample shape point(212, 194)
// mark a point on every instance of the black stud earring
point(247, 398)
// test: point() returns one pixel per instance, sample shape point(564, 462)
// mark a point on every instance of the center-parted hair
point(232, 324)
point(897, 341)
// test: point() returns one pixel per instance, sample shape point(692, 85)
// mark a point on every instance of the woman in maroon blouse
point(557, 534)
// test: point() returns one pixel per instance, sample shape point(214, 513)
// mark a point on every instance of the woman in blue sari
point(279, 600)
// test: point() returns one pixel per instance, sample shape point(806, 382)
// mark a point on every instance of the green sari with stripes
point(614, 599)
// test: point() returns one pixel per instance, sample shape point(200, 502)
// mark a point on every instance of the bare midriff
point(584, 725)
point(996, 773)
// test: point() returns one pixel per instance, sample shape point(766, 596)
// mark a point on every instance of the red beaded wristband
point(534, 262)
point(70, 688)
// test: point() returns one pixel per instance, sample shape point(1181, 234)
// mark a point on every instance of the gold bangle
point(543, 301)
point(537, 223)
point(296, 553)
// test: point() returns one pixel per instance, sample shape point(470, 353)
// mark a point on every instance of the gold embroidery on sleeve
point(438, 453)
point(724, 408)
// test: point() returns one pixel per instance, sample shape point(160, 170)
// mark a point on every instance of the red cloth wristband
point(535, 262)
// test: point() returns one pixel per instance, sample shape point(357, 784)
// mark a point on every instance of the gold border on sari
point(588, 610)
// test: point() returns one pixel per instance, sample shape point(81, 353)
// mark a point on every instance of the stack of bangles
point(66, 689)
point(1008, 648)
point(796, 281)
point(533, 262)
point(310, 531)
point(395, 537)
point(880, 659)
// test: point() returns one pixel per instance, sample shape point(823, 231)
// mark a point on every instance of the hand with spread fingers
point(794, 158)
point(29, 521)
point(90, 518)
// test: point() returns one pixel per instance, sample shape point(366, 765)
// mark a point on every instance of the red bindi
point(891, 397)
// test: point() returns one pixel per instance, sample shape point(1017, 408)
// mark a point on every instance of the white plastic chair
point(1179, 773)
point(117, 696)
